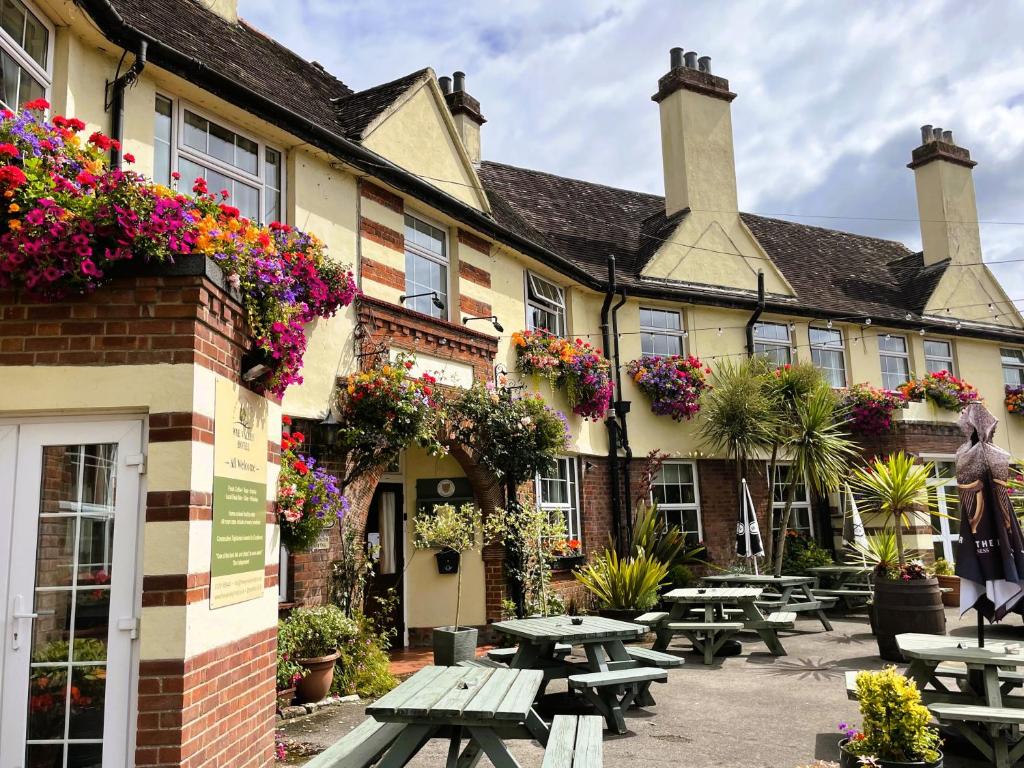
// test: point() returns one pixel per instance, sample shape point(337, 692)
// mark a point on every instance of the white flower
point(234, 281)
point(525, 421)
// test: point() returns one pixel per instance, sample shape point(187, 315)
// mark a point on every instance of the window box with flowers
point(569, 556)
point(870, 411)
point(673, 383)
point(1015, 400)
point(941, 389)
point(574, 365)
point(70, 222)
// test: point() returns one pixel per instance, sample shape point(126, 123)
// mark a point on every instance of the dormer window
point(25, 41)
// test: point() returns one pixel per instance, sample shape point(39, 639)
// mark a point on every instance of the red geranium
point(11, 176)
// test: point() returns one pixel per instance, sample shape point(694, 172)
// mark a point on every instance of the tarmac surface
point(747, 711)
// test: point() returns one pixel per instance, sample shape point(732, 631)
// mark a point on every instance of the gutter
point(621, 410)
point(611, 422)
point(188, 67)
point(117, 89)
point(757, 313)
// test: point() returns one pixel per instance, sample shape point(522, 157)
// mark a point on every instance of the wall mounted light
point(434, 298)
point(492, 318)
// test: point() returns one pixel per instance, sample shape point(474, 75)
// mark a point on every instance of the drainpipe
point(621, 409)
point(611, 423)
point(757, 313)
point(117, 101)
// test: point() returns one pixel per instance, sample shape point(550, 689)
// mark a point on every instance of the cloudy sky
point(831, 95)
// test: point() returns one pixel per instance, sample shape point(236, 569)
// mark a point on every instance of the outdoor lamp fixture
point(434, 297)
point(492, 318)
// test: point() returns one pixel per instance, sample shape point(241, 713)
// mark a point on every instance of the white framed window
point(26, 53)
point(198, 145)
point(945, 502)
point(675, 491)
point(894, 359)
point(545, 305)
point(661, 332)
point(426, 267)
point(938, 355)
point(773, 341)
point(828, 354)
point(1013, 366)
point(558, 492)
point(800, 518)
point(283, 558)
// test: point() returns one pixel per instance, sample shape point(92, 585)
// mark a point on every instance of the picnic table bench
point(612, 692)
point(781, 593)
point(574, 742)
point(849, 584)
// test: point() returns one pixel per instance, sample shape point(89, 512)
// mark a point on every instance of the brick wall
point(211, 710)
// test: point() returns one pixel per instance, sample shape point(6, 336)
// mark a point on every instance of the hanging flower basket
point(1015, 400)
point(573, 364)
point(308, 498)
point(943, 389)
point(869, 410)
point(68, 221)
point(673, 383)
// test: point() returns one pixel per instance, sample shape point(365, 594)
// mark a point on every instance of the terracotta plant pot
point(906, 606)
point(454, 644)
point(847, 760)
point(316, 683)
point(950, 599)
point(285, 697)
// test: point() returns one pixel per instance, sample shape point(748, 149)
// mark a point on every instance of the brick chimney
point(466, 111)
point(696, 136)
point(228, 9)
point(945, 198)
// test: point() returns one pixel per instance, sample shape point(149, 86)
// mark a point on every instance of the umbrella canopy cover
point(748, 534)
point(990, 553)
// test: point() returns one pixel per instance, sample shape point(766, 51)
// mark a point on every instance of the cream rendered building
point(116, 398)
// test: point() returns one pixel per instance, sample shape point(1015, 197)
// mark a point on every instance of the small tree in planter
point(896, 730)
point(453, 530)
point(906, 598)
point(541, 539)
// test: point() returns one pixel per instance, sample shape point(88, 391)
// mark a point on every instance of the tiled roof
point(357, 111)
point(836, 272)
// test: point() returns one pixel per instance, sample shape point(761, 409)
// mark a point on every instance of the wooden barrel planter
point(906, 606)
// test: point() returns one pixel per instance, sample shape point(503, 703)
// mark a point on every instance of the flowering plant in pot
point(674, 383)
point(452, 530)
point(896, 731)
point(1015, 399)
point(308, 498)
point(941, 388)
point(943, 570)
point(308, 640)
point(869, 410)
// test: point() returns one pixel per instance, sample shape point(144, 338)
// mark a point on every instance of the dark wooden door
point(385, 530)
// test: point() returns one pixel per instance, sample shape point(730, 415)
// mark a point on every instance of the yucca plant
point(881, 550)
point(624, 583)
point(662, 541)
point(894, 487)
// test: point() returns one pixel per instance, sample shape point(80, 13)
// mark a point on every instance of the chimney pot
point(460, 81)
point(947, 136)
point(446, 84)
point(691, 59)
point(936, 134)
point(926, 134)
point(675, 58)
point(704, 63)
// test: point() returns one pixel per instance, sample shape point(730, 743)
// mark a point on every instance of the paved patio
point(749, 711)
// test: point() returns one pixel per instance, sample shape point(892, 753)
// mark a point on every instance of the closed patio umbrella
point(748, 535)
point(990, 553)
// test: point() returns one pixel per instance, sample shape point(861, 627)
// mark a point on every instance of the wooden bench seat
point(704, 626)
point(991, 729)
point(360, 747)
point(724, 611)
point(507, 654)
point(649, 658)
point(612, 692)
point(777, 620)
point(574, 742)
point(653, 617)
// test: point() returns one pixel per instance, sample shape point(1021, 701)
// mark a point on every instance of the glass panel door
point(945, 524)
point(66, 688)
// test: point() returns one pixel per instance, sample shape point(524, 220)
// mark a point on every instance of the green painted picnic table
point(788, 593)
point(485, 705)
point(842, 576)
point(603, 641)
point(711, 634)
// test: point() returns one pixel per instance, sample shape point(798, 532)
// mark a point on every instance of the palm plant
point(818, 450)
point(895, 487)
point(626, 583)
point(881, 550)
point(654, 535)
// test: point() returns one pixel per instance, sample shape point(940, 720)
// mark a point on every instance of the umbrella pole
point(981, 630)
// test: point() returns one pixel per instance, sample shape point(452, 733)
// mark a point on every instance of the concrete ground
point(747, 711)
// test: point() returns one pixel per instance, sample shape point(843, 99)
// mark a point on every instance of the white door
point(69, 527)
point(946, 502)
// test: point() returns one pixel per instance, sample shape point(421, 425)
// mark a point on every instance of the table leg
point(821, 613)
point(753, 616)
point(596, 657)
point(993, 696)
point(470, 756)
point(453, 747)
point(526, 656)
point(537, 726)
point(493, 747)
point(409, 742)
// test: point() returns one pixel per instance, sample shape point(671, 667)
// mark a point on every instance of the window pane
point(542, 289)
point(222, 144)
point(12, 19)
point(831, 364)
point(1013, 377)
point(771, 331)
point(775, 354)
point(196, 129)
point(889, 343)
point(11, 78)
point(36, 39)
point(247, 155)
point(937, 349)
point(1012, 356)
point(162, 142)
point(826, 337)
point(246, 199)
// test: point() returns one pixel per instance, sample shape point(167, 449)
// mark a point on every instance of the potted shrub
point(942, 570)
point(896, 731)
point(311, 637)
point(906, 598)
point(624, 588)
point(453, 530)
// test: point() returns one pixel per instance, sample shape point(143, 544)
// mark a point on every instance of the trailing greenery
point(896, 724)
point(363, 666)
point(631, 583)
point(540, 538)
point(894, 487)
point(803, 553)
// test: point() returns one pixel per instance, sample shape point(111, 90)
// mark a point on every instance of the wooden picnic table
point(841, 576)
point(787, 593)
point(976, 704)
point(708, 636)
point(485, 705)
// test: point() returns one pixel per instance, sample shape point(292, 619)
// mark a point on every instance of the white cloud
point(830, 94)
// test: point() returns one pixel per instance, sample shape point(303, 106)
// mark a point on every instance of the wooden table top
point(841, 569)
point(944, 648)
point(712, 594)
point(762, 579)
point(591, 629)
point(453, 694)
